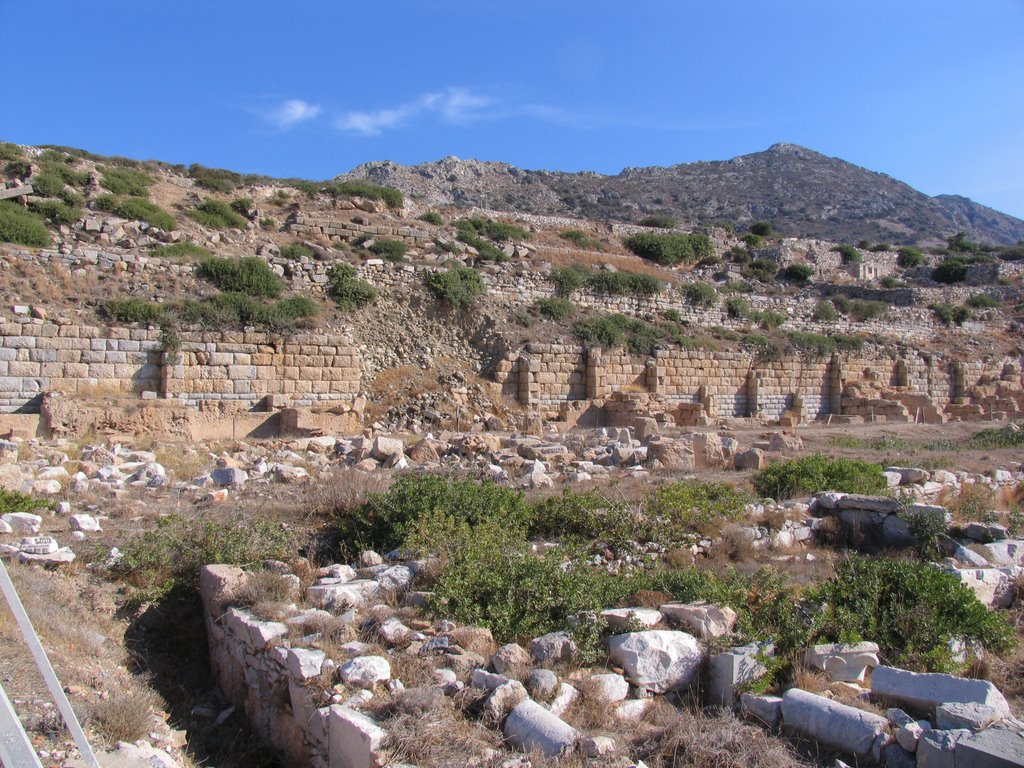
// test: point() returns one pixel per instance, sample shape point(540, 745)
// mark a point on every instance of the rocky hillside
point(799, 191)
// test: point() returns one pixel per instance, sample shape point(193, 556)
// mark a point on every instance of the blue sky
point(931, 93)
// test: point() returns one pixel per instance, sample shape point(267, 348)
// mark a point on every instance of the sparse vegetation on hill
point(130, 182)
point(22, 227)
point(811, 474)
point(348, 292)
point(136, 209)
point(216, 214)
point(458, 286)
point(250, 276)
point(669, 250)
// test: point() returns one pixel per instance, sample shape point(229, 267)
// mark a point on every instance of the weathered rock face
point(657, 660)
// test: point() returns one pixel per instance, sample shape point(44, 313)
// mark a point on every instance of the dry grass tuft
point(591, 711)
point(735, 545)
point(974, 501)
point(675, 739)
point(125, 716)
point(344, 490)
point(425, 728)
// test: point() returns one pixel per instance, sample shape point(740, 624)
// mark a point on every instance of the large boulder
point(657, 660)
point(702, 619)
point(553, 647)
point(672, 454)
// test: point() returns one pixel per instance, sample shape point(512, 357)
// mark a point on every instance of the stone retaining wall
point(37, 356)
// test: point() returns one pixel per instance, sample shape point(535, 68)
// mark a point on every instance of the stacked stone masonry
point(38, 356)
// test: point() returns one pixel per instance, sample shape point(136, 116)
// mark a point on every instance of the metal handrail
point(8, 733)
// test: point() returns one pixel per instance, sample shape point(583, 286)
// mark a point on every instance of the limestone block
point(763, 708)
point(366, 671)
point(731, 669)
point(219, 586)
point(23, 522)
point(553, 647)
point(702, 619)
point(612, 687)
point(622, 618)
point(530, 726)
point(304, 664)
point(354, 739)
point(838, 725)
point(657, 660)
point(991, 748)
point(843, 662)
point(953, 715)
point(509, 658)
point(927, 690)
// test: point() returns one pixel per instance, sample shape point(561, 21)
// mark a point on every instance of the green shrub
point(136, 209)
point(126, 181)
point(761, 228)
point(56, 212)
point(582, 517)
point(842, 303)
point(485, 249)
point(822, 346)
point(908, 258)
point(798, 272)
point(498, 231)
point(624, 283)
point(233, 309)
point(23, 227)
point(9, 152)
point(659, 222)
point(18, 169)
point(348, 292)
point(168, 558)
point(387, 520)
point(950, 314)
point(555, 308)
point(179, 250)
point(67, 174)
point(950, 271)
point(768, 320)
point(389, 250)
point(340, 190)
point(669, 250)
point(701, 294)
point(959, 243)
point(13, 501)
point(132, 310)
point(813, 474)
point(432, 217)
point(581, 239)
point(737, 307)
point(458, 286)
point(911, 609)
point(982, 301)
point(825, 312)
point(690, 507)
point(848, 254)
point(214, 179)
point(752, 241)
point(891, 282)
point(250, 276)
point(568, 280)
point(762, 269)
point(47, 184)
point(997, 437)
point(296, 251)
point(639, 337)
point(242, 206)
point(863, 310)
point(216, 214)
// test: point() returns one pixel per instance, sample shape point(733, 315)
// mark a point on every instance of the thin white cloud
point(292, 112)
point(452, 105)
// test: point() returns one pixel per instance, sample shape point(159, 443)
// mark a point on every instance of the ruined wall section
point(38, 355)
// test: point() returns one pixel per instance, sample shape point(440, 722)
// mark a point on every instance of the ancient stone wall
point(37, 355)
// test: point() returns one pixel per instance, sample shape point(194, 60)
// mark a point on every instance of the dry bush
point(427, 728)
point(591, 711)
point(474, 641)
point(735, 545)
point(344, 490)
point(413, 671)
point(682, 738)
point(183, 463)
point(263, 587)
point(810, 680)
point(125, 716)
point(973, 502)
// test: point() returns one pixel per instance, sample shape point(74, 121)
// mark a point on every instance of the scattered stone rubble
point(318, 709)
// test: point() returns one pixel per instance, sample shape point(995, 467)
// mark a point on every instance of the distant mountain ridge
point(800, 191)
